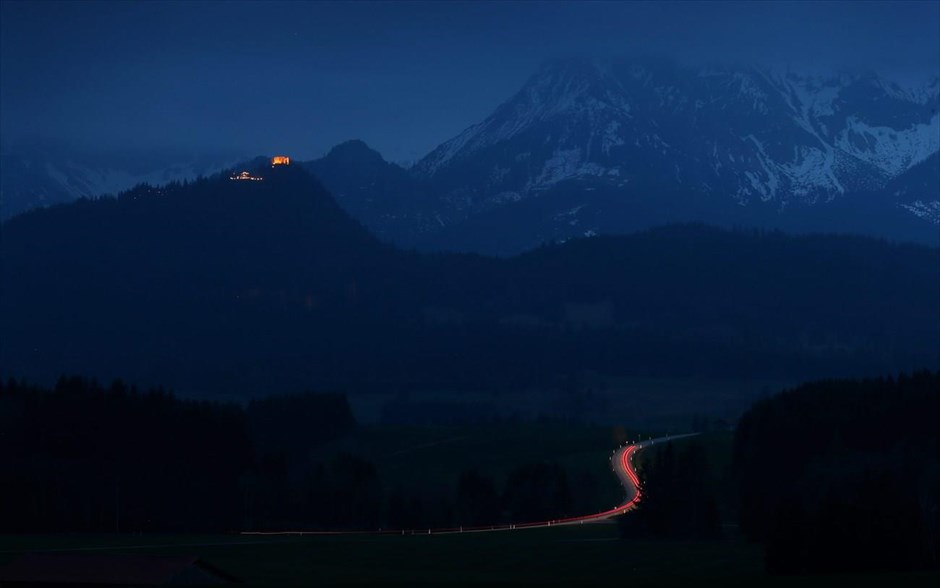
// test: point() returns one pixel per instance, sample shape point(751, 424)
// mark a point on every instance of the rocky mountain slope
point(757, 138)
point(588, 147)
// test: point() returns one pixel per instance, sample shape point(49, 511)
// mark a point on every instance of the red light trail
point(627, 474)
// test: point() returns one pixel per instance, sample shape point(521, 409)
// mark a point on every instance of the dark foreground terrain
point(589, 555)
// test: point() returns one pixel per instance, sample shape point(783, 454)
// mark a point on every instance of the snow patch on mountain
point(929, 211)
point(564, 163)
point(568, 215)
point(917, 90)
point(768, 188)
point(745, 87)
point(811, 98)
point(567, 164)
point(891, 150)
point(808, 171)
point(612, 137)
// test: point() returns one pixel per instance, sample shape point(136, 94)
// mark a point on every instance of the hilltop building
point(280, 160)
point(245, 176)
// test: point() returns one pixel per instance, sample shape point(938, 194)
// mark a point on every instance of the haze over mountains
point(592, 147)
point(39, 175)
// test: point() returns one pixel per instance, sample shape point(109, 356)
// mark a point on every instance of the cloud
point(403, 76)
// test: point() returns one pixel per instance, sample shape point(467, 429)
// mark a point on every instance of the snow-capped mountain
point(34, 176)
point(589, 147)
point(913, 189)
point(607, 142)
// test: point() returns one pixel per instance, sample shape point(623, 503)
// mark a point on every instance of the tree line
point(86, 457)
point(678, 496)
point(843, 475)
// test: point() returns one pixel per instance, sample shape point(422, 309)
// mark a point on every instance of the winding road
point(621, 462)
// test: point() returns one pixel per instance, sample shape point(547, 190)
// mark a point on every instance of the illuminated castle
point(280, 160)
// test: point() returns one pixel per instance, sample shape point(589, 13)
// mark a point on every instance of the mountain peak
point(585, 137)
point(354, 150)
point(578, 87)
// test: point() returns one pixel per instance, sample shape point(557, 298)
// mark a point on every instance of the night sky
point(301, 77)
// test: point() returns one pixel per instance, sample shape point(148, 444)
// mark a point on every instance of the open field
point(562, 556)
point(431, 459)
point(591, 554)
point(662, 403)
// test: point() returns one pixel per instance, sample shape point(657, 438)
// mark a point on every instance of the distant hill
point(231, 288)
point(384, 196)
point(861, 458)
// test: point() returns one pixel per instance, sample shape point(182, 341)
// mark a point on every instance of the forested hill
point(862, 489)
point(249, 287)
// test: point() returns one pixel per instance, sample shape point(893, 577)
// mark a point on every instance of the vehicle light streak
point(621, 459)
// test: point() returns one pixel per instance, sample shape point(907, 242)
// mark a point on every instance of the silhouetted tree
point(862, 491)
point(83, 457)
point(356, 494)
point(678, 497)
point(294, 424)
point(477, 500)
point(537, 492)
point(87, 458)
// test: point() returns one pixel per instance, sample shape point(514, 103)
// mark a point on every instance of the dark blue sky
point(300, 77)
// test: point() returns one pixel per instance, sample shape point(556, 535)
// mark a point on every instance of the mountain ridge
point(224, 287)
point(590, 147)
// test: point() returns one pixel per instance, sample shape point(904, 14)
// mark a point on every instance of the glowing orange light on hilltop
point(280, 160)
